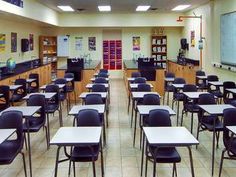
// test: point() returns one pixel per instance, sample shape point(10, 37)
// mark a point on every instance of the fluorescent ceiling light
point(180, 7)
point(104, 8)
point(142, 8)
point(66, 8)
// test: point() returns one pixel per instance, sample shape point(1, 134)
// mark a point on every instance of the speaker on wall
point(24, 45)
point(184, 44)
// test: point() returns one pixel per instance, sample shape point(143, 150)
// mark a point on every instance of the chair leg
point(26, 147)
point(74, 168)
point(217, 139)
point(221, 162)
point(182, 117)
point(164, 98)
point(102, 164)
point(69, 167)
point(146, 165)
point(47, 139)
point(94, 169)
point(192, 123)
point(23, 157)
point(75, 96)
point(104, 134)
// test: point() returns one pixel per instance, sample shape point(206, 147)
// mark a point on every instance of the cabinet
point(159, 50)
point(112, 54)
point(48, 51)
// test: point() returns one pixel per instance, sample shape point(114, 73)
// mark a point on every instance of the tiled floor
point(121, 159)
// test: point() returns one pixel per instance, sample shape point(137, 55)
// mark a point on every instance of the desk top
point(232, 90)
point(48, 95)
point(26, 110)
point(43, 87)
point(93, 79)
point(178, 86)
point(72, 136)
point(216, 109)
point(89, 86)
point(135, 86)
point(5, 134)
point(137, 95)
point(133, 78)
point(14, 87)
point(67, 79)
point(99, 107)
point(169, 136)
point(216, 83)
point(145, 109)
point(193, 95)
point(232, 129)
point(30, 80)
point(169, 79)
point(202, 77)
point(84, 94)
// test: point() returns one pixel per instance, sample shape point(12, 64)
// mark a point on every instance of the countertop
point(88, 65)
point(131, 64)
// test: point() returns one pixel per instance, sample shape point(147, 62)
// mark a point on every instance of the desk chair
point(168, 86)
point(33, 86)
point(70, 86)
point(215, 90)
point(135, 74)
point(20, 93)
point(201, 83)
point(226, 94)
point(5, 100)
point(63, 92)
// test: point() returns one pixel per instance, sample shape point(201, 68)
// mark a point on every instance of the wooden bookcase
point(112, 54)
point(159, 49)
point(48, 51)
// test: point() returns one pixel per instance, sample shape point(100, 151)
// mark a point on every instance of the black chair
point(105, 75)
point(9, 149)
point(37, 121)
point(19, 93)
point(139, 80)
point(143, 87)
point(135, 74)
point(4, 100)
point(189, 105)
point(206, 121)
point(99, 88)
point(53, 104)
point(215, 90)
point(226, 94)
point(100, 80)
point(229, 139)
point(103, 71)
point(33, 86)
point(201, 83)
point(63, 92)
point(87, 153)
point(168, 86)
point(70, 86)
point(160, 118)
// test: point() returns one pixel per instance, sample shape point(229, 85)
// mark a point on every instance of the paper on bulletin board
point(31, 42)
point(62, 46)
point(136, 43)
point(92, 43)
point(192, 38)
point(78, 43)
point(2, 43)
point(13, 42)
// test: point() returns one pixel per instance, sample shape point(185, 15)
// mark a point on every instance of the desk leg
point(128, 102)
point(57, 161)
point(142, 155)
point(48, 130)
point(60, 116)
point(28, 134)
point(191, 160)
point(135, 122)
point(177, 123)
point(132, 112)
point(213, 148)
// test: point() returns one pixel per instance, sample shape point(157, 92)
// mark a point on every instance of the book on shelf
point(163, 49)
point(159, 49)
point(163, 57)
point(164, 41)
point(158, 42)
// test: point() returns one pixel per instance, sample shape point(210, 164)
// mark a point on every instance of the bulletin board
point(63, 46)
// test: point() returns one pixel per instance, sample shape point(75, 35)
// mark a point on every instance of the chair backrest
point(88, 117)
point(99, 88)
point(69, 75)
point(144, 87)
point(23, 87)
point(13, 119)
point(103, 71)
point(200, 73)
point(139, 80)
point(100, 80)
point(229, 120)
point(227, 85)
point(135, 74)
point(159, 118)
point(38, 100)
point(103, 75)
point(179, 80)
point(5, 90)
point(206, 98)
point(93, 99)
point(151, 99)
point(170, 75)
point(190, 88)
point(36, 82)
point(61, 81)
point(53, 88)
point(212, 78)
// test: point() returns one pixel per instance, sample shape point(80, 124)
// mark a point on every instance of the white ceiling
point(128, 6)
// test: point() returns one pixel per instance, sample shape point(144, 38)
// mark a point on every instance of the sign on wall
point(92, 43)
point(13, 42)
point(78, 43)
point(2, 43)
point(136, 43)
point(18, 3)
point(192, 38)
point(31, 42)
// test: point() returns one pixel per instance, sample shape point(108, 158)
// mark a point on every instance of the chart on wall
point(18, 3)
point(62, 46)
point(2, 43)
point(13, 42)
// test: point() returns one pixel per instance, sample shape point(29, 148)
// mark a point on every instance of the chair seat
point(8, 151)
point(34, 125)
point(179, 96)
point(84, 154)
point(3, 106)
point(16, 97)
point(32, 89)
point(217, 93)
point(232, 148)
point(208, 121)
point(169, 88)
point(51, 108)
point(69, 89)
point(62, 96)
point(165, 155)
point(191, 108)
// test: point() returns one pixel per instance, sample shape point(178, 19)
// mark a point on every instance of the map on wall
point(18, 3)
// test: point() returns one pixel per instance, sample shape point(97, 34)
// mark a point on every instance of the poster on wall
point(78, 43)
point(18, 3)
point(2, 43)
point(92, 43)
point(13, 42)
point(31, 42)
point(136, 43)
point(192, 38)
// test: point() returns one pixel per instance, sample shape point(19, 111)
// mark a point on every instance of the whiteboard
point(228, 38)
point(62, 46)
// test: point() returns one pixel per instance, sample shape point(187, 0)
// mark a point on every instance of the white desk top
point(30, 80)
point(169, 79)
point(232, 90)
point(133, 78)
point(5, 134)
point(67, 79)
point(14, 87)
point(89, 86)
point(48, 95)
point(99, 107)
point(169, 136)
point(72, 136)
point(216, 83)
point(1, 94)
point(43, 87)
point(215, 108)
point(178, 86)
point(145, 109)
point(26, 110)
point(193, 95)
point(232, 129)
point(135, 86)
point(93, 79)
point(137, 95)
point(202, 77)
point(84, 94)
point(96, 74)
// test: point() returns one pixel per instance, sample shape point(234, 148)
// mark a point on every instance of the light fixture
point(66, 8)
point(180, 7)
point(142, 8)
point(104, 8)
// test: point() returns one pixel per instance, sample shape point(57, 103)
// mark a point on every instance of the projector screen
point(228, 38)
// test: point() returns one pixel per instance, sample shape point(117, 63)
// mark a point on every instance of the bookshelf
point(159, 50)
point(48, 51)
point(112, 54)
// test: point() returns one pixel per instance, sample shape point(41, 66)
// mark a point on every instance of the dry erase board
point(62, 46)
point(228, 38)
